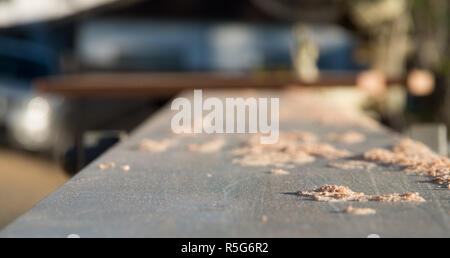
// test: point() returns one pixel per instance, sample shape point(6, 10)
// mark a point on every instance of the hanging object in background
point(16, 12)
point(420, 82)
point(387, 24)
point(306, 55)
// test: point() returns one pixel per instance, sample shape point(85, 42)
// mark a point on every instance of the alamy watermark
point(190, 118)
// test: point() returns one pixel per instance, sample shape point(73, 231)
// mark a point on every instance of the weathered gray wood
point(433, 135)
point(169, 194)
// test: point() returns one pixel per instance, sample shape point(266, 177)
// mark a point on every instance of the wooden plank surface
point(179, 193)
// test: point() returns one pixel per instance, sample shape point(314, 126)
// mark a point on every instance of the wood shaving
point(107, 165)
point(359, 211)
point(395, 197)
point(125, 167)
point(332, 193)
point(325, 151)
point(211, 146)
point(302, 157)
point(414, 157)
point(264, 218)
point(442, 180)
point(302, 136)
point(261, 160)
point(297, 148)
point(282, 165)
point(335, 193)
point(350, 137)
point(279, 172)
point(353, 164)
point(155, 146)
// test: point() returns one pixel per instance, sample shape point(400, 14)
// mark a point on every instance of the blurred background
point(396, 51)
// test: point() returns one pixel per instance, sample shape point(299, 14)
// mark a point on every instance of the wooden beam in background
point(168, 84)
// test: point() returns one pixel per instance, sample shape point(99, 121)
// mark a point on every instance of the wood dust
point(353, 164)
point(125, 168)
point(279, 172)
point(359, 211)
point(350, 137)
point(211, 146)
point(264, 218)
point(335, 193)
point(155, 146)
point(294, 148)
point(414, 157)
point(107, 165)
point(112, 165)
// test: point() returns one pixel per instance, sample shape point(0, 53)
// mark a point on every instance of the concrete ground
point(25, 180)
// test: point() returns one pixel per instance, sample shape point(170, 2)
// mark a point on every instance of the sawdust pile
point(353, 164)
point(324, 150)
point(414, 157)
point(292, 148)
point(107, 165)
point(350, 137)
point(302, 136)
point(278, 171)
point(359, 211)
point(264, 218)
point(155, 146)
point(112, 165)
point(335, 193)
point(211, 146)
point(125, 168)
